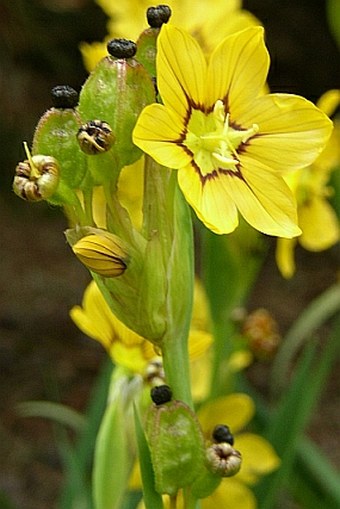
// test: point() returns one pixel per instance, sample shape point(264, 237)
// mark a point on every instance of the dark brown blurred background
point(42, 354)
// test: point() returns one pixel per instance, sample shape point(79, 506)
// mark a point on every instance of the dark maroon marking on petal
point(217, 171)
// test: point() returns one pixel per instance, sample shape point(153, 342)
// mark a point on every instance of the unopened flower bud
point(102, 254)
point(223, 459)
point(37, 177)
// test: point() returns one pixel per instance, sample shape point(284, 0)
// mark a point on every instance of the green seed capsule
point(176, 445)
point(117, 90)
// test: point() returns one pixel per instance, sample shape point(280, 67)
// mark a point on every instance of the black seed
point(64, 96)
point(121, 48)
point(156, 16)
point(222, 433)
point(161, 394)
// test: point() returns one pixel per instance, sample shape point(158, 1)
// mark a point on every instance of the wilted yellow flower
point(208, 20)
point(102, 254)
point(316, 218)
point(229, 142)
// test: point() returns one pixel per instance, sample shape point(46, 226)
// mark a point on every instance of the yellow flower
point(316, 218)
point(229, 142)
point(125, 347)
point(203, 19)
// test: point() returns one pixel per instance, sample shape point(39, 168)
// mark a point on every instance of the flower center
point(212, 140)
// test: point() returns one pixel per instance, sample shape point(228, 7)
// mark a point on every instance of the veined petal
point(292, 131)
point(211, 201)
point(319, 225)
point(235, 410)
point(258, 457)
point(156, 133)
point(181, 69)
point(230, 494)
point(264, 200)
point(237, 70)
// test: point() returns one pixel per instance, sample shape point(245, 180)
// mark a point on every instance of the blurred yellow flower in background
point(208, 20)
point(316, 217)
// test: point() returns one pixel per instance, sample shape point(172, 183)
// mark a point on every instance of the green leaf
point(78, 465)
point(320, 310)
point(112, 458)
point(54, 411)
point(286, 427)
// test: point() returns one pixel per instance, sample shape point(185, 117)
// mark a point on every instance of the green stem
point(177, 367)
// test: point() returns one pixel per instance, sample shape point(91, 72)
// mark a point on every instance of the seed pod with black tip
point(147, 41)
point(55, 135)
point(95, 137)
point(176, 445)
point(117, 90)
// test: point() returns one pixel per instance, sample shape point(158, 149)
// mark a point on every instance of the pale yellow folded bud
point(102, 254)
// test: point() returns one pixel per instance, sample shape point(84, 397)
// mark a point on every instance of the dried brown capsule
point(223, 459)
point(37, 177)
point(95, 137)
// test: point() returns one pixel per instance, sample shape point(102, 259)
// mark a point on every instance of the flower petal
point(264, 200)
point(319, 225)
point(181, 69)
point(211, 201)
point(285, 257)
point(258, 457)
point(292, 131)
point(237, 70)
point(94, 317)
point(156, 133)
point(230, 494)
point(235, 410)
